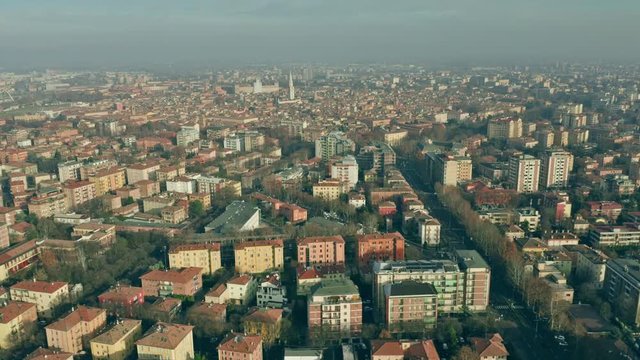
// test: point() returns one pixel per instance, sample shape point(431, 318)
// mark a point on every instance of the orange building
point(79, 192)
point(187, 282)
point(13, 318)
point(321, 250)
point(240, 347)
point(380, 247)
point(73, 332)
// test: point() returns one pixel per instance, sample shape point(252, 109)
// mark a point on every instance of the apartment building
point(330, 189)
point(14, 317)
point(142, 171)
point(444, 275)
point(78, 192)
point(118, 342)
point(332, 144)
point(174, 214)
point(613, 236)
point(203, 255)
point(448, 170)
point(213, 185)
point(69, 170)
point(167, 341)
point(258, 256)
point(321, 250)
point(46, 295)
point(240, 347)
point(505, 128)
point(524, 173)
point(109, 179)
point(379, 247)
point(187, 282)
point(591, 265)
point(72, 332)
point(335, 307)
point(477, 279)
point(410, 305)
point(244, 141)
point(345, 170)
point(555, 168)
point(17, 258)
point(376, 157)
point(48, 204)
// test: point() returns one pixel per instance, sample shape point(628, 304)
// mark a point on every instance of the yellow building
point(206, 256)
point(167, 341)
point(108, 180)
point(46, 295)
point(330, 189)
point(259, 256)
point(118, 342)
point(71, 332)
point(173, 214)
point(13, 318)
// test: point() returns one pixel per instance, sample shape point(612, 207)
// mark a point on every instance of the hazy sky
point(86, 33)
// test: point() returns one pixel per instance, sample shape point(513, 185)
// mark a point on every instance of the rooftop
point(117, 332)
point(165, 335)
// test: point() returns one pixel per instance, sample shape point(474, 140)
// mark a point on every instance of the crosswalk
point(507, 307)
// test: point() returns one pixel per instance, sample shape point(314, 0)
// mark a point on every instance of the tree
point(467, 353)
point(196, 209)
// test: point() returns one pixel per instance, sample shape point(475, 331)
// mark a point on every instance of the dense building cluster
point(359, 212)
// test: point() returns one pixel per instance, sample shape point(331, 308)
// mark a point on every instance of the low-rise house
point(264, 323)
point(72, 332)
point(242, 289)
point(165, 308)
point(240, 347)
point(489, 349)
point(46, 295)
point(15, 316)
point(185, 282)
point(122, 298)
point(49, 354)
point(217, 295)
point(117, 342)
point(271, 292)
point(403, 349)
point(167, 341)
point(211, 312)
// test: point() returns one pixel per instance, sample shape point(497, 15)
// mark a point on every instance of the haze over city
point(88, 34)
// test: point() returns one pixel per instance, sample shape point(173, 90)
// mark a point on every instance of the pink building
point(240, 347)
point(187, 282)
point(321, 250)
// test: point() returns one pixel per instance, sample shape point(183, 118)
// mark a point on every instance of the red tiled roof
point(240, 343)
point(246, 244)
point(319, 239)
point(40, 286)
point(173, 275)
point(13, 309)
point(82, 313)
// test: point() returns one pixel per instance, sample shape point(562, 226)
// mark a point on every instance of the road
point(518, 326)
